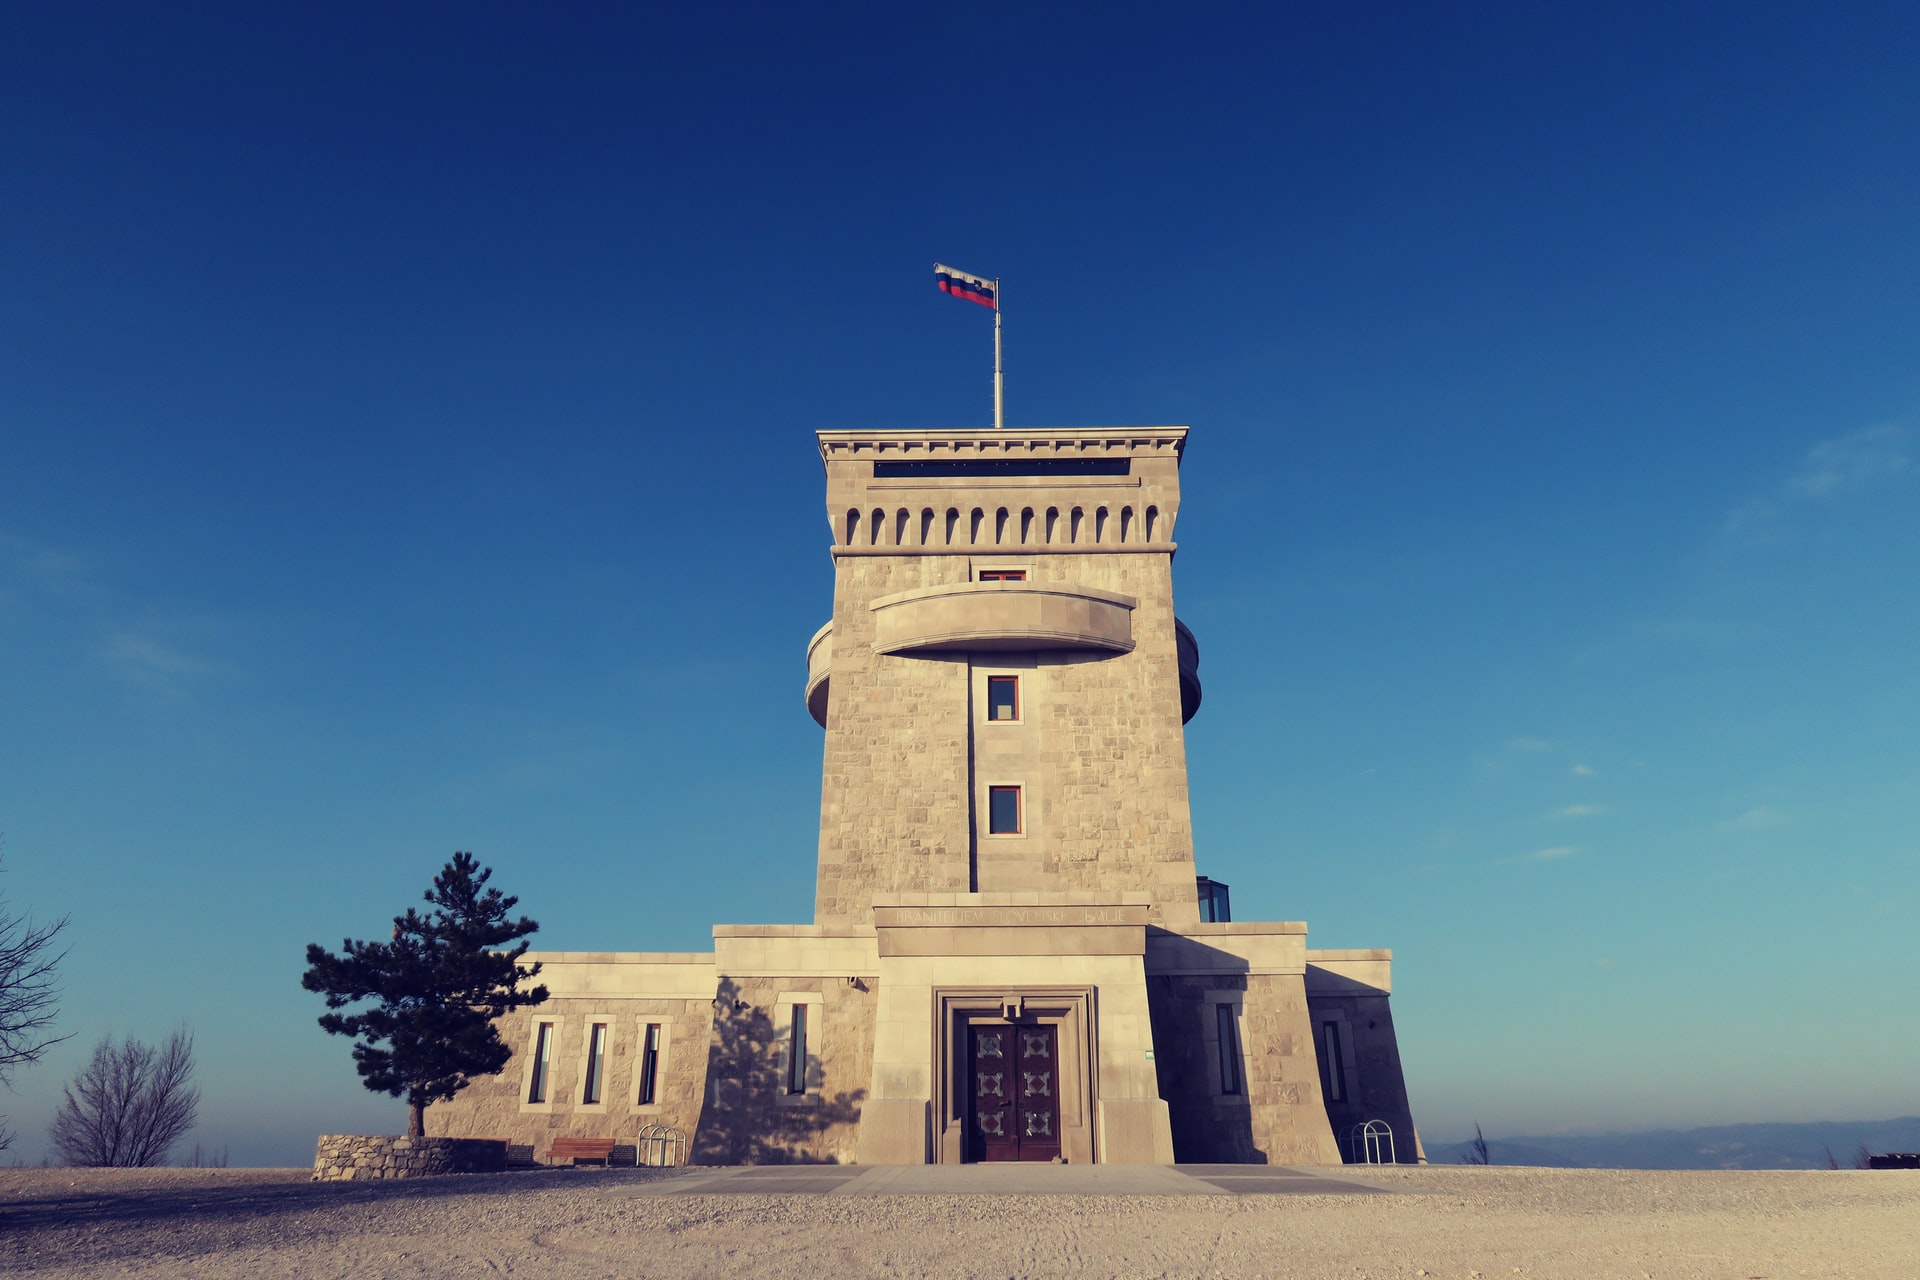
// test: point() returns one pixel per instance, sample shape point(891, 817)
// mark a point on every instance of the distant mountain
point(1728, 1146)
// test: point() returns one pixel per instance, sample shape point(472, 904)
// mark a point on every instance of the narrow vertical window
point(650, 1064)
point(1003, 697)
point(1333, 1069)
point(797, 1051)
point(596, 1063)
point(542, 1062)
point(1003, 811)
point(1229, 1048)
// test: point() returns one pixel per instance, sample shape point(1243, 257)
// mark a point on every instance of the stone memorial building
point(1012, 955)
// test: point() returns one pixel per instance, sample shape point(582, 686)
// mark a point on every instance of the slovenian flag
point(961, 285)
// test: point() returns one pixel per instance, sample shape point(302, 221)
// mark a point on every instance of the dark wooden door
point(1015, 1088)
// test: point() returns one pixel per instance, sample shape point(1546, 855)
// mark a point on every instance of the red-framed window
point(1003, 811)
point(1003, 698)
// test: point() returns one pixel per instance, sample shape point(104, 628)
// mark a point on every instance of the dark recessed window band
point(1003, 467)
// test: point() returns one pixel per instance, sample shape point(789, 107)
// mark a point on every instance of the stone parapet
point(1253, 947)
point(352, 1157)
point(617, 974)
point(1350, 972)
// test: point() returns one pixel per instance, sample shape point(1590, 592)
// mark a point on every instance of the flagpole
point(999, 390)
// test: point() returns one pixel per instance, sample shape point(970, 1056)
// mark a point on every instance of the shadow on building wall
point(744, 1119)
point(1203, 1131)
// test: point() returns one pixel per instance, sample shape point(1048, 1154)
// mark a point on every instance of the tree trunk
point(416, 1117)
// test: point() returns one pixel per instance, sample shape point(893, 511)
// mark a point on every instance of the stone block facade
point(626, 994)
point(1006, 870)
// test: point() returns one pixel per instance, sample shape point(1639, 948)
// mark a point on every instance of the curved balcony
point(820, 670)
point(1004, 615)
point(1189, 651)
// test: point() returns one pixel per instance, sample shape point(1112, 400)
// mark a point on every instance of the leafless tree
point(129, 1105)
point(29, 1000)
point(1476, 1152)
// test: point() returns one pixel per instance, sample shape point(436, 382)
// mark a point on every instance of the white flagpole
point(999, 389)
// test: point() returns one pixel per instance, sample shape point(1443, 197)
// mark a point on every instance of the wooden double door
point(1013, 1088)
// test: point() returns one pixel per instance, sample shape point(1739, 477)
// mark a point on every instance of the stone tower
point(1011, 956)
point(1003, 631)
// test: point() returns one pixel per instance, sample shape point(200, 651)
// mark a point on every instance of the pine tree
point(438, 987)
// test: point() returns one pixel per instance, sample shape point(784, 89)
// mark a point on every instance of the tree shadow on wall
point(743, 1119)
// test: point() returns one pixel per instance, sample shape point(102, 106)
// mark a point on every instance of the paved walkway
point(1001, 1180)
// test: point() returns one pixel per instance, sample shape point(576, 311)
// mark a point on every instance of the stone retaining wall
point(346, 1157)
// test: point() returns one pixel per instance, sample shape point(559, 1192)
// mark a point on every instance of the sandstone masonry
point(1012, 955)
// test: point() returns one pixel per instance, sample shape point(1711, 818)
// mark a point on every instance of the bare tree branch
point(129, 1105)
point(29, 1000)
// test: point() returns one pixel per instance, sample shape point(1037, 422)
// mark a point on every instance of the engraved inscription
point(942, 916)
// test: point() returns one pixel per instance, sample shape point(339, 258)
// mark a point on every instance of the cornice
point(985, 442)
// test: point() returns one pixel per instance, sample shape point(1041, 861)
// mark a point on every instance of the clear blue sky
point(405, 447)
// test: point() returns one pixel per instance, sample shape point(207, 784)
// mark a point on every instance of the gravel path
point(226, 1224)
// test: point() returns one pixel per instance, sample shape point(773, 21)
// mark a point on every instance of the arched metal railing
point(660, 1146)
point(1364, 1143)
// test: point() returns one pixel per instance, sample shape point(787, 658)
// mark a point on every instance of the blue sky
point(405, 447)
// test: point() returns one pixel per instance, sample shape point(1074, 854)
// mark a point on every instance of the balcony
point(1007, 616)
point(1019, 616)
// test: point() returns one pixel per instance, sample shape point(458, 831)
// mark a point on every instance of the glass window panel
point(1229, 1049)
point(1003, 697)
point(1003, 811)
point(1333, 1070)
point(596, 1062)
point(797, 1055)
point(650, 1064)
point(542, 1062)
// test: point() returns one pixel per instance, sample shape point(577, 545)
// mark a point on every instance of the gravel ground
point(1449, 1221)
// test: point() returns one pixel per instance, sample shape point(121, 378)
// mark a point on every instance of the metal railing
point(660, 1146)
point(1364, 1143)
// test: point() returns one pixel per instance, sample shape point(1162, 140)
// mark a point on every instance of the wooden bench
point(581, 1149)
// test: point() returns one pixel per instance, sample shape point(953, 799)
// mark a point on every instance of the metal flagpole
point(999, 390)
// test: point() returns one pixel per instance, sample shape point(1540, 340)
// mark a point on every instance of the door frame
point(1070, 1010)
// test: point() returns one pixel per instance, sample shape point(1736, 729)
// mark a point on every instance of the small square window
point(1003, 697)
point(1003, 811)
point(1003, 575)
